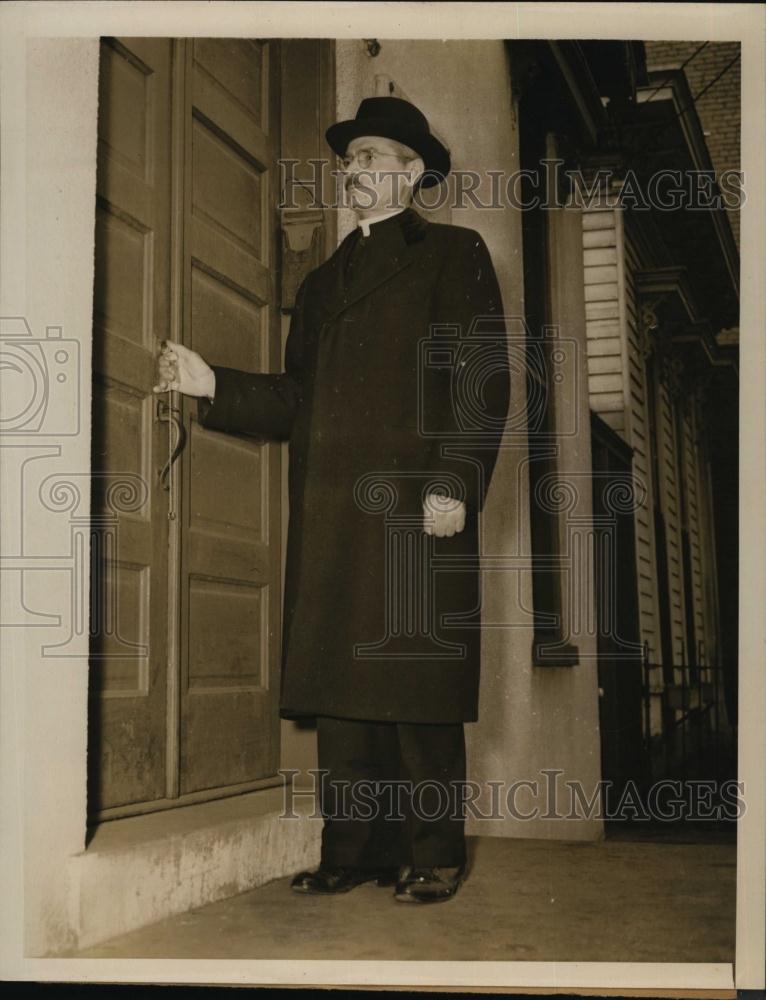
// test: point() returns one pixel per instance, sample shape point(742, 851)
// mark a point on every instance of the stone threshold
point(143, 869)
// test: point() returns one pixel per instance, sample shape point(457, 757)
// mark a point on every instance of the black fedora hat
point(394, 118)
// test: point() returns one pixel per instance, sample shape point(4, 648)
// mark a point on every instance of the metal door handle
point(171, 415)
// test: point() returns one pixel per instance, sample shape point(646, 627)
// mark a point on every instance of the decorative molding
point(663, 284)
point(671, 327)
point(648, 327)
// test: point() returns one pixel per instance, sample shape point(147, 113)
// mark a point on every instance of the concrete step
point(140, 870)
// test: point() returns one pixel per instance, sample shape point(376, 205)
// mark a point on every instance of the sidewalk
point(524, 900)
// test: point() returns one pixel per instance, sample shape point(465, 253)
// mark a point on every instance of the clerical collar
point(364, 224)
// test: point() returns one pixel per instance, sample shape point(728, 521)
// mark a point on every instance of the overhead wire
point(678, 70)
point(704, 90)
point(707, 86)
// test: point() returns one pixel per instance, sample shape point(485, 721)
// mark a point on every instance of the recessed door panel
point(128, 706)
point(230, 611)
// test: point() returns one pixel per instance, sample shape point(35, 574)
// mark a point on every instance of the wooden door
point(230, 553)
point(128, 707)
point(184, 685)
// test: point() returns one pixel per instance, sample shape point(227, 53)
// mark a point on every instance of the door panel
point(230, 548)
point(127, 718)
point(186, 594)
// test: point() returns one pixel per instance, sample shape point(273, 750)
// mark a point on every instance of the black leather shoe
point(328, 880)
point(428, 885)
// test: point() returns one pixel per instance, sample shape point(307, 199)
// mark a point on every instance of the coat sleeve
point(260, 403)
point(468, 395)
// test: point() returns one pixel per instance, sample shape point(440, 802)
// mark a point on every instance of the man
point(393, 399)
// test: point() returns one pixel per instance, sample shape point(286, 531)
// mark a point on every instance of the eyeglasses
point(365, 158)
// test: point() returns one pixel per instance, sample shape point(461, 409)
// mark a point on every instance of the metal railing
point(689, 733)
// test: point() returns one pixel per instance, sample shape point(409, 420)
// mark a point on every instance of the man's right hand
point(184, 370)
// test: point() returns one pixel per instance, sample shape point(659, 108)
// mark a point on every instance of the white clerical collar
point(365, 224)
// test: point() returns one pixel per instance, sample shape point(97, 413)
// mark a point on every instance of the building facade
point(147, 712)
point(663, 315)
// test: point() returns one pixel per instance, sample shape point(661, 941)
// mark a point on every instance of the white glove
point(184, 370)
point(443, 515)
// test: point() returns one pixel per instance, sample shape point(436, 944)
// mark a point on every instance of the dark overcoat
point(395, 385)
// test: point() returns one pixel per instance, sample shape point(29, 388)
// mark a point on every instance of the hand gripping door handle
point(171, 415)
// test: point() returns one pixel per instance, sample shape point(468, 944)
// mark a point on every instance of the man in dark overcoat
point(393, 398)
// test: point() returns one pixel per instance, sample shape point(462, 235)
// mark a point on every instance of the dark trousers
point(390, 793)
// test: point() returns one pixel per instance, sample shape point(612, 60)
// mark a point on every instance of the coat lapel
point(330, 282)
point(403, 238)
